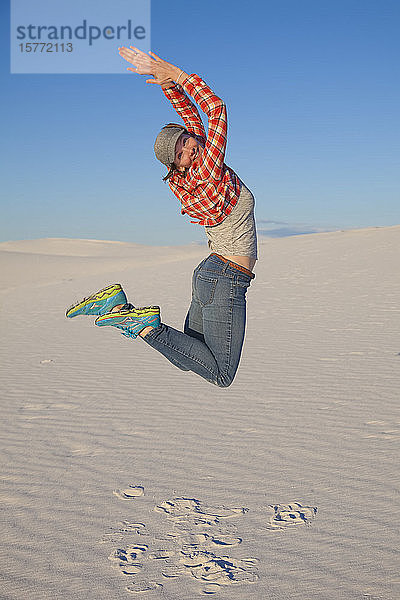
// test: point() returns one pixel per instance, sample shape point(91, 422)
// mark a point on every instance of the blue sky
point(313, 94)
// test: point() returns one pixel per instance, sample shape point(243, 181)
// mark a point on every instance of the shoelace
point(127, 306)
point(126, 331)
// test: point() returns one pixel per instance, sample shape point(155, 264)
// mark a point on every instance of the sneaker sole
point(114, 318)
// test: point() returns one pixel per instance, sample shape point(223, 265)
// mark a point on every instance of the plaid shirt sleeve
point(212, 158)
point(185, 109)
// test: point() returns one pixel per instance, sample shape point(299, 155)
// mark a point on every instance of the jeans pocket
point(243, 281)
point(205, 289)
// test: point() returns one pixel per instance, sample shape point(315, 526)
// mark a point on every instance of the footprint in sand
point(124, 556)
point(201, 565)
point(190, 550)
point(212, 588)
point(173, 570)
point(124, 559)
point(288, 515)
point(187, 550)
point(191, 509)
point(132, 491)
point(225, 540)
point(178, 507)
point(161, 554)
point(128, 527)
point(131, 569)
point(220, 570)
point(197, 540)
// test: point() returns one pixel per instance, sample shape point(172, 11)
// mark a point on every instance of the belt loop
point(225, 267)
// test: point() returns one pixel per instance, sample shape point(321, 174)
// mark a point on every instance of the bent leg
point(224, 323)
point(212, 341)
point(184, 351)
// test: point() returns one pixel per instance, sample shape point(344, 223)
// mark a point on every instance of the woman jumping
point(214, 196)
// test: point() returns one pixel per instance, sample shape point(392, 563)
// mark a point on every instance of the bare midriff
point(247, 262)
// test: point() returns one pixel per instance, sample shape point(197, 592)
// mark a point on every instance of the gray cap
point(164, 146)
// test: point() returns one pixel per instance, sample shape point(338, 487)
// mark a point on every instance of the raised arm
point(164, 73)
point(213, 156)
point(168, 77)
point(185, 109)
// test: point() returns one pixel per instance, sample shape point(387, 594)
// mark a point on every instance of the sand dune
point(124, 477)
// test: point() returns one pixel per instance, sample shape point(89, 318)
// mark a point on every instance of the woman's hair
point(172, 168)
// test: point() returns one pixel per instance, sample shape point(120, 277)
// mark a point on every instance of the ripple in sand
point(125, 529)
point(138, 587)
point(37, 406)
point(384, 430)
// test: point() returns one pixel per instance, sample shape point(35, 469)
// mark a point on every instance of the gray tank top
point(236, 235)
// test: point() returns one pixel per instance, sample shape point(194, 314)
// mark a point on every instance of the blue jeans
point(212, 340)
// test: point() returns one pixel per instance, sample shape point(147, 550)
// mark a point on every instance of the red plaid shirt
point(209, 189)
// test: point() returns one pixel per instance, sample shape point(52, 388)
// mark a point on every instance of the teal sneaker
point(131, 321)
point(99, 303)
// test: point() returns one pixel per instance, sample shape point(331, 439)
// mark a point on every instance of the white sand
point(98, 430)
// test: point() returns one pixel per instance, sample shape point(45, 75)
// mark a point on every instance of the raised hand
point(162, 71)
